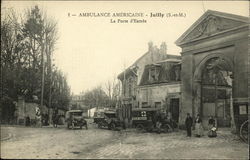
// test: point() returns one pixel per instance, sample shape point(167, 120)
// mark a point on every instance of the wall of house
point(157, 93)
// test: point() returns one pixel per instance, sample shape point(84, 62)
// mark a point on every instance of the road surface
point(48, 142)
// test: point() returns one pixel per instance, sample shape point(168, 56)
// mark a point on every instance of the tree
point(112, 88)
point(12, 59)
point(27, 47)
point(95, 98)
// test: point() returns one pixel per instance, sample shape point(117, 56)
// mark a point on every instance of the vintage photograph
point(124, 79)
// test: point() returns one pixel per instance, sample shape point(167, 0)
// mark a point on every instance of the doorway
point(216, 91)
point(174, 108)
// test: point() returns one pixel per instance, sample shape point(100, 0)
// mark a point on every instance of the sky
point(91, 50)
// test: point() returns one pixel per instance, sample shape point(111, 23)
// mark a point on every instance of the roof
point(164, 69)
point(110, 112)
point(169, 60)
point(145, 109)
point(131, 69)
point(230, 21)
point(75, 111)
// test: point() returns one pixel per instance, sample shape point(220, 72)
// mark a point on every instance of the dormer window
point(153, 74)
point(175, 73)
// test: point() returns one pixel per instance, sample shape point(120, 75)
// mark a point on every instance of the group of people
point(198, 126)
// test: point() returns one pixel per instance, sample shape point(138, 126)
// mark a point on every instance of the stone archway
point(212, 88)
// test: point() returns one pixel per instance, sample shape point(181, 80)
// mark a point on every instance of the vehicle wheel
point(167, 128)
point(99, 125)
point(140, 127)
point(112, 126)
point(244, 131)
point(109, 127)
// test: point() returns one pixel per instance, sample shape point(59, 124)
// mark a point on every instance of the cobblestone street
point(100, 143)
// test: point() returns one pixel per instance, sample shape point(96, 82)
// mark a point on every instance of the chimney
point(163, 48)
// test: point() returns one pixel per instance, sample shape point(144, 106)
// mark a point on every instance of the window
point(243, 109)
point(144, 94)
point(144, 104)
point(175, 73)
point(157, 104)
point(130, 86)
point(153, 74)
point(129, 89)
point(178, 73)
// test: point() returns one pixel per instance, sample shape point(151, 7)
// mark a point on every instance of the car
point(98, 116)
point(109, 121)
point(75, 118)
point(145, 119)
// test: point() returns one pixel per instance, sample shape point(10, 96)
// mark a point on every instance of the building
point(26, 109)
point(77, 102)
point(131, 78)
point(215, 67)
point(160, 87)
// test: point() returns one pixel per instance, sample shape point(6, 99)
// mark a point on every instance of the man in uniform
point(189, 123)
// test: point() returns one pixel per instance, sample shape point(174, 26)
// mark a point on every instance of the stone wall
point(27, 109)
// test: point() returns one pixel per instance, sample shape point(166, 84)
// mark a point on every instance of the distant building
point(77, 102)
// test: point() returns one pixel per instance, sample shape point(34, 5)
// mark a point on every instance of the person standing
point(189, 123)
point(55, 119)
point(38, 117)
point(159, 123)
point(198, 126)
point(211, 127)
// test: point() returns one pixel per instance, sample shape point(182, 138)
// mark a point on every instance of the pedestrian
point(27, 121)
point(189, 123)
point(211, 122)
point(198, 126)
point(211, 127)
point(55, 119)
point(159, 122)
point(38, 117)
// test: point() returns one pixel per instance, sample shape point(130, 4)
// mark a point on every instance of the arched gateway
point(212, 88)
point(214, 67)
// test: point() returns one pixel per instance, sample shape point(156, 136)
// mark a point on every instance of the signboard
point(243, 109)
point(139, 118)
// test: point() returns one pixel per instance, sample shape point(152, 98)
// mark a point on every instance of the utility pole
point(42, 85)
point(50, 81)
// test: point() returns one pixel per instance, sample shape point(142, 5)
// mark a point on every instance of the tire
point(140, 127)
point(244, 131)
point(109, 127)
point(167, 128)
point(112, 126)
point(99, 125)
